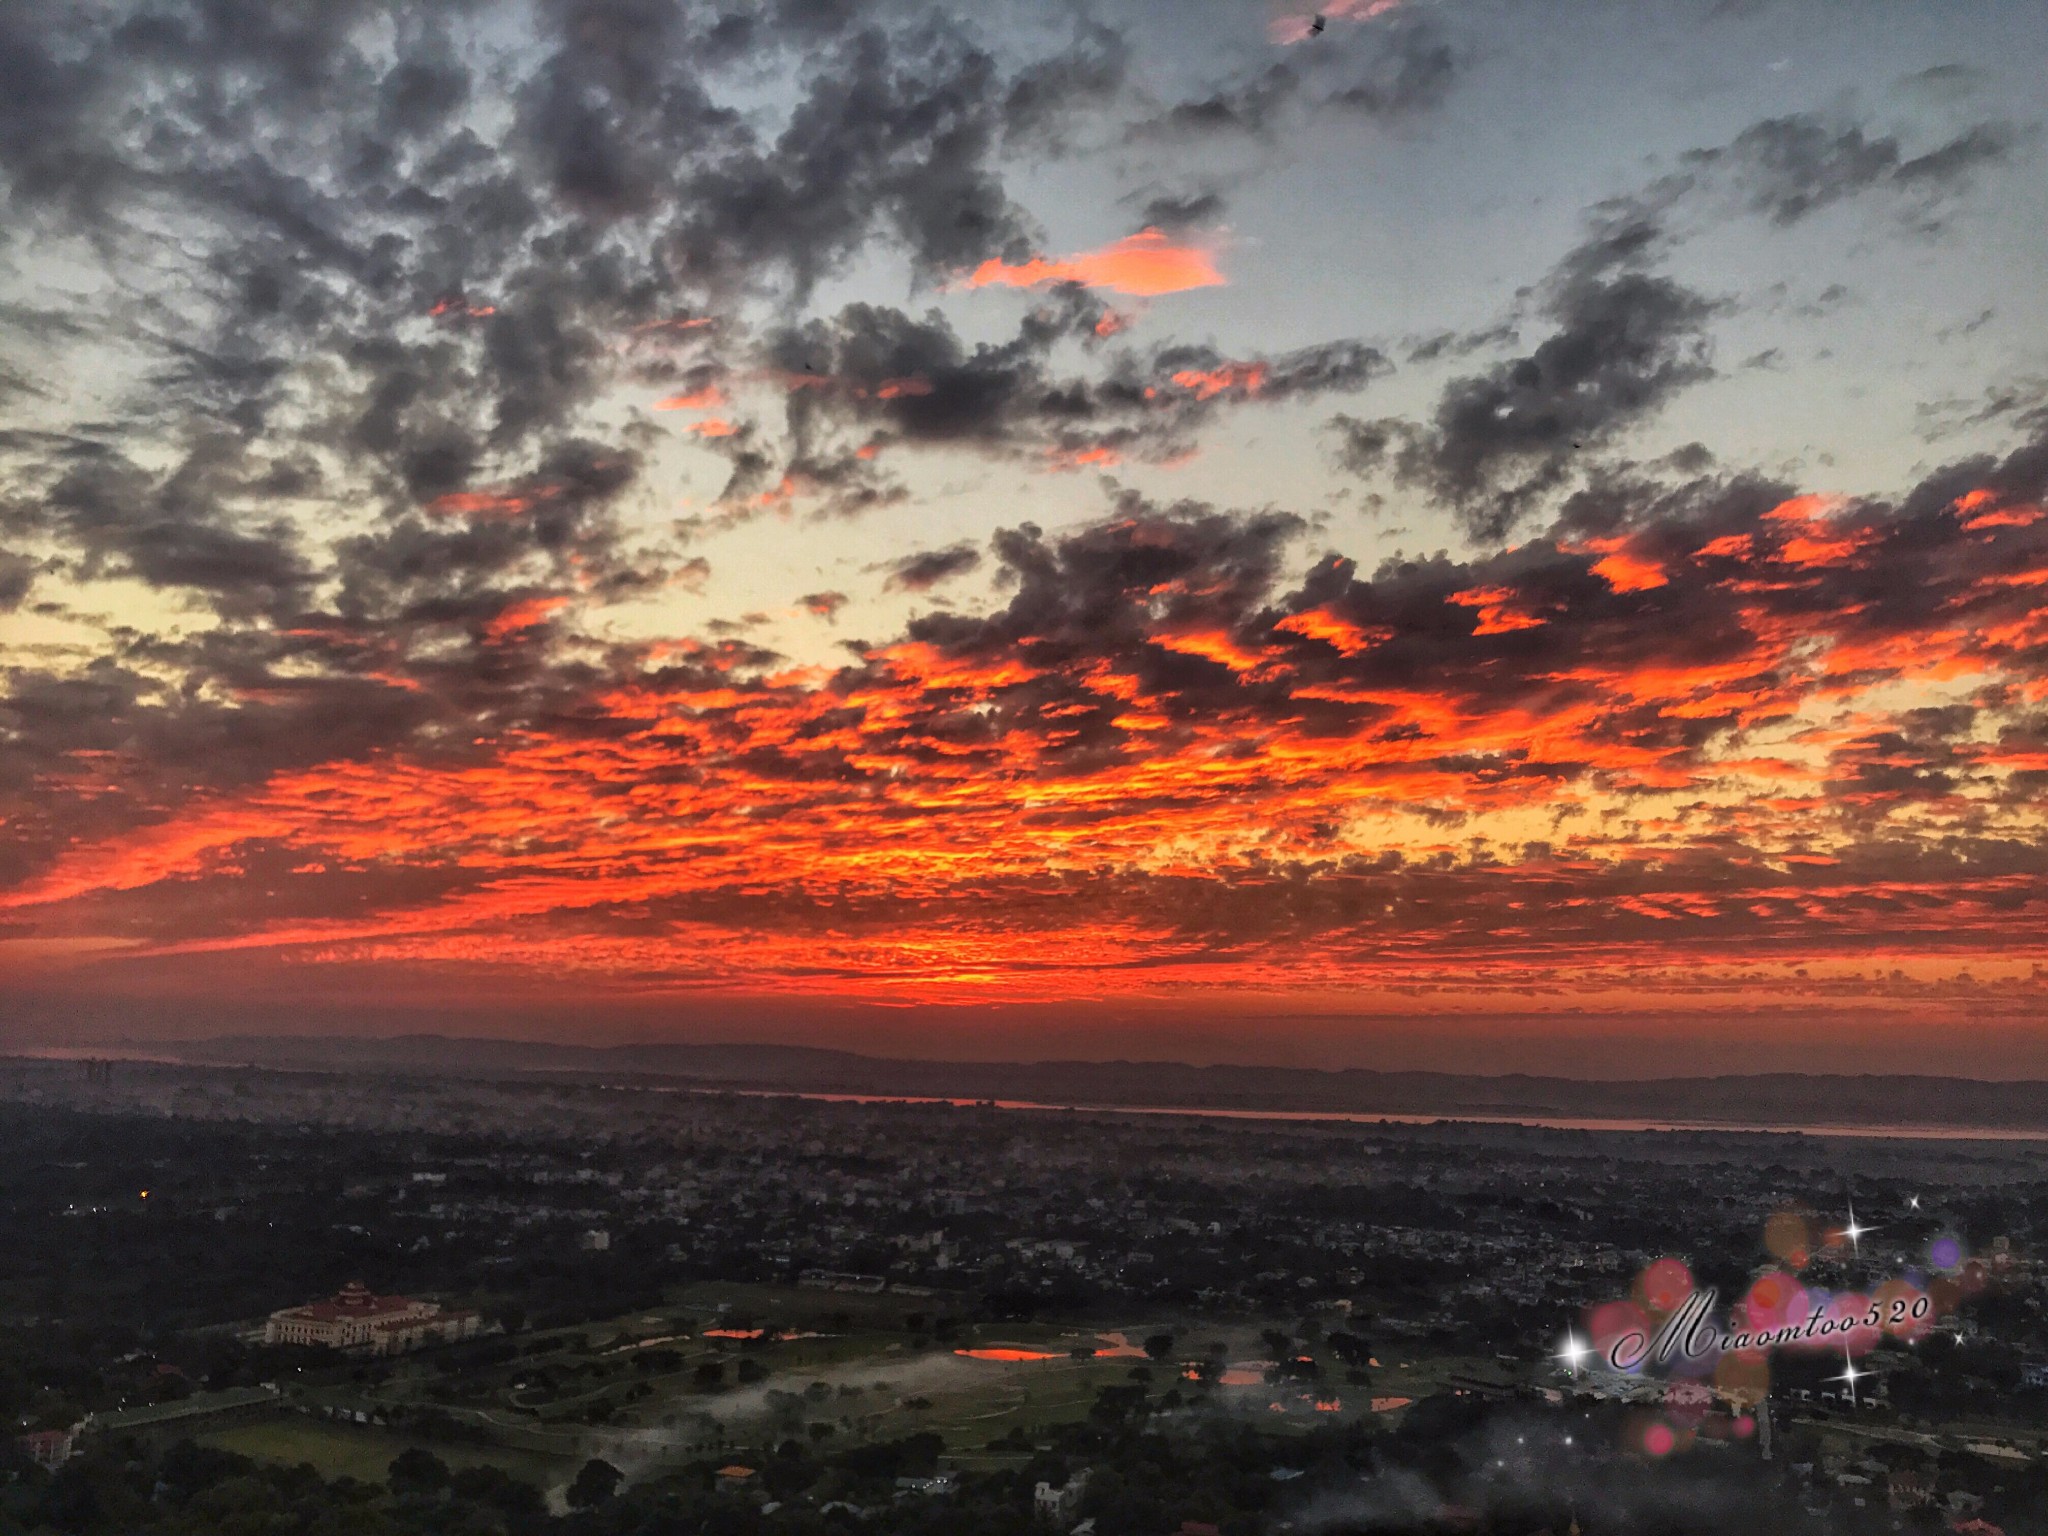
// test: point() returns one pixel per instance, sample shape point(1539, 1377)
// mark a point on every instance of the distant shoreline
point(1895, 1107)
point(1368, 1117)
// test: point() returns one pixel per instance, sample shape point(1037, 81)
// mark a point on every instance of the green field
point(340, 1450)
point(871, 1370)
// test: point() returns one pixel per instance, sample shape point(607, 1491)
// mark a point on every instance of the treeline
point(1456, 1463)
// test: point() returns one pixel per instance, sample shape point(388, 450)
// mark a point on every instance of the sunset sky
point(1492, 535)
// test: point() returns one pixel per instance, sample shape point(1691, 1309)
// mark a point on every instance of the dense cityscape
point(271, 1300)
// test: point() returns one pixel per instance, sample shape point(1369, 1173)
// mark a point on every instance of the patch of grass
point(359, 1451)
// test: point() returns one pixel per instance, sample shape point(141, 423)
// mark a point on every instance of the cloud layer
point(1710, 725)
point(355, 359)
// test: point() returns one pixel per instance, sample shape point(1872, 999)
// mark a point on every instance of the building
point(49, 1448)
point(1058, 1504)
point(358, 1318)
point(218, 1408)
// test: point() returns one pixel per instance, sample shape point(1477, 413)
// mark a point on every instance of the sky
point(1456, 534)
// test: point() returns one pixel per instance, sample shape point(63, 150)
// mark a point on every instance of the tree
point(1159, 1345)
point(188, 1468)
point(416, 1471)
point(597, 1482)
point(492, 1486)
point(1117, 1405)
point(509, 1316)
point(1350, 1348)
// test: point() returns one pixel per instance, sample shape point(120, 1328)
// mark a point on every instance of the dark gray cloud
point(17, 575)
point(1790, 167)
point(1455, 344)
point(1411, 71)
point(2020, 401)
point(1046, 100)
point(334, 196)
point(1385, 72)
point(873, 379)
point(1624, 340)
point(925, 570)
point(195, 527)
point(897, 137)
point(1175, 212)
point(1251, 106)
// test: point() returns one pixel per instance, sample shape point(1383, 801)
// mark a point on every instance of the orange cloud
point(525, 614)
point(1349, 639)
point(709, 398)
point(1206, 384)
point(1498, 614)
point(480, 503)
point(1627, 573)
point(1214, 645)
point(1981, 511)
point(1081, 458)
point(1621, 568)
point(1144, 265)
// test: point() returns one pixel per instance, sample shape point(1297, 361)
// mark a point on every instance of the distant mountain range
point(1772, 1099)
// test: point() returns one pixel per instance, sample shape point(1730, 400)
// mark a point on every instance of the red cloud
point(1169, 768)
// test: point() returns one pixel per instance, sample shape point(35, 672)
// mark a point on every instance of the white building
point(357, 1318)
point(1058, 1504)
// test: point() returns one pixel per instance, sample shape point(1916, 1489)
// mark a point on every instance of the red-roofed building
point(358, 1318)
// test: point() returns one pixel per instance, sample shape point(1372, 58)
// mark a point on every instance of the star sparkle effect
point(1574, 1352)
point(1854, 1231)
point(1850, 1375)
